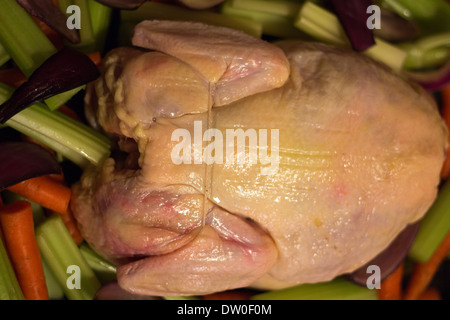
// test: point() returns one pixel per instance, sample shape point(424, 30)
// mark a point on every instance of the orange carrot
point(391, 287)
point(95, 58)
point(18, 229)
point(13, 77)
point(445, 110)
point(71, 224)
point(423, 273)
point(46, 191)
point(430, 294)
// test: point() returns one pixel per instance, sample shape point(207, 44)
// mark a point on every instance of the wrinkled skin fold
point(360, 152)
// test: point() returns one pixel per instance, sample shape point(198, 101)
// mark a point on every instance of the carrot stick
point(95, 58)
point(430, 294)
point(391, 287)
point(45, 191)
point(71, 224)
point(445, 110)
point(423, 273)
point(18, 228)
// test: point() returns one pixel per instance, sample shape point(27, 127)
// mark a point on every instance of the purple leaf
point(24, 160)
point(389, 259)
point(353, 16)
point(46, 11)
point(122, 4)
point(68, 69)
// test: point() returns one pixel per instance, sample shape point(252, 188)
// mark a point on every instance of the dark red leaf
point(123, 4)
point(24, 160)
point(353, 16)
point(389, 259)
point(68, 69)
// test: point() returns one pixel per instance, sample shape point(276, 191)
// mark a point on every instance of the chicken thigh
point(338, 155)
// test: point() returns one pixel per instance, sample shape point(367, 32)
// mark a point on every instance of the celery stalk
point(105, 271)
point(325, 26)
point(9, 286)
point(55, 291)
point(61, 254)
point(73, 139)
point(155, 10)
point(282, 8)
point(27, 45)
point(433, 227)
point(337, 289)
point(431, 16)
point(22, 38)
point(86, 32)
point(272, 24)
point(100, 20)
point(4, 55)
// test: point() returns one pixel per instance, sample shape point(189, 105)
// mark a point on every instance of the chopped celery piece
point(272, 25)
point(57, 101)
point(431, 16)
point(26, 44)
point(100, 21)
point(280, 8)
point(337, 289)
point(105, 270)
point(22, 38)
point(73, 139)
point(433, 227)
point(4, 55)
point(65, 260)
point(55, 291)
point(86, 32)
point(9, 286)
point(325, 26)
point(155, 10)
point(427, 52)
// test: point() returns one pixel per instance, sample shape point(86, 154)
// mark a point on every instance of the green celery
point(427, 52)
point(272, 24)
point(9, 286)
point(22, 38)
point(61, 252)
point(431, 16)
point(325, 26)
point(55, 291)
point(86, 32)
point(4, 55)
point(337, 289)
point(100, 19)
point(433, 227)
point(285, 9)
point(27, 45)
point(73, 139)
point(105, 271)
point(155, 10)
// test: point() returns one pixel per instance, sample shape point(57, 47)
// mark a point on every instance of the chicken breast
point(246, 163)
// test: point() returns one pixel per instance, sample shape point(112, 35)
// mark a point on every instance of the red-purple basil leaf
point(46, 11)
point(67, 69)
point(122, 4)
point(389, 259)
point(353, 16)
point(22, 160)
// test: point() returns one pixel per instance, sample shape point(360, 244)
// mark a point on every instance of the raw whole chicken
point(346, 155)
